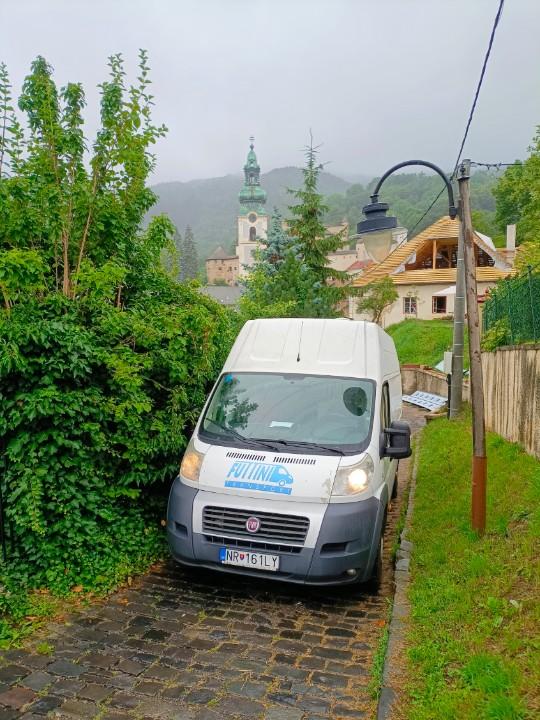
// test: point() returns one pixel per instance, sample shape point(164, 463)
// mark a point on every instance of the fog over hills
point(210, 205)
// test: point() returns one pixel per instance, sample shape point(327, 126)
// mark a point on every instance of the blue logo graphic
point(259, 476)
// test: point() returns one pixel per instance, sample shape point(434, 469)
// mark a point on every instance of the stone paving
point(193, 645)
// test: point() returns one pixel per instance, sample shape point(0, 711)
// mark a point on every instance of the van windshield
point(310, 414)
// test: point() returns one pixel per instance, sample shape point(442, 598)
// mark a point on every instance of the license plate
point(243, 558)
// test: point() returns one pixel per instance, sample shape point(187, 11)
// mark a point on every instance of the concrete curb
point(400, 607)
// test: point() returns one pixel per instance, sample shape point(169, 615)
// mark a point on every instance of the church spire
point(252, 197)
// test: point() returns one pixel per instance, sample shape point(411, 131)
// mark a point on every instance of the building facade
point(221, 268)
point(423, 271)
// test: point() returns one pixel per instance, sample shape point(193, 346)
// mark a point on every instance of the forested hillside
point(210, 206)
point(410, 194)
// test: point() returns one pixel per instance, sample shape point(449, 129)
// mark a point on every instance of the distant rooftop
point(359, 265)
point(220, 254)
point(224, 294)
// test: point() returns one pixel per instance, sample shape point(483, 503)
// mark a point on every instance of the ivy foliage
point(105, 360)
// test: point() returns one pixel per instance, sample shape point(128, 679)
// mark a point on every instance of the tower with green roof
point(252, 218)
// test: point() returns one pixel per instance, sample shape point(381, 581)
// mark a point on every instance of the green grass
point(377, 670)
point(473, 644)
point(423, 342)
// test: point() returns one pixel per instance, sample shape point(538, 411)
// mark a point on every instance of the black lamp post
point(377, 228)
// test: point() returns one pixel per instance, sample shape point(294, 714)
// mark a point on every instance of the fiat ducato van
point(293, 461)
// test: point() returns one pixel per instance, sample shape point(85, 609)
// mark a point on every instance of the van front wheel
point(374, 582)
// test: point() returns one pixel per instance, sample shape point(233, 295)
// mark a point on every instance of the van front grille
point(273, 526)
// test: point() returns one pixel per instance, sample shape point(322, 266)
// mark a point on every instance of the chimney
point(511, 238)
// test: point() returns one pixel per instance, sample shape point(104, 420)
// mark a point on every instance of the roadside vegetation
point(105, 360)
point(473, 638)
point(423, 342)
point(107, 348)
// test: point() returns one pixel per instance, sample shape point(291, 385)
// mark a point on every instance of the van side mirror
point(398, 437)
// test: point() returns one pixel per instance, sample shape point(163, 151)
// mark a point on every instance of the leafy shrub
point(94, 409)
point(104, 360)
point(497, 335)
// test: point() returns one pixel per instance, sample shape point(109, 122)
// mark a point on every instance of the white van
point(293, 460)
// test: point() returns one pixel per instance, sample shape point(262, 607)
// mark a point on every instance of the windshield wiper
point(311, 445)
point(242, 438)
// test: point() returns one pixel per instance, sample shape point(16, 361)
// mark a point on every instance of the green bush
point(105, 362)
point(497, 335)
point(95, 406)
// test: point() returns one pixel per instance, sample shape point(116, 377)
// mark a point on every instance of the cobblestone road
point(186, 645)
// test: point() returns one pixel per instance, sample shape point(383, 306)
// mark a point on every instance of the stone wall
point(511, 392)
point(428, 380)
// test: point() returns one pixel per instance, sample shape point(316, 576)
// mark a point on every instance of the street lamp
point(377, 229)
point(380, 228)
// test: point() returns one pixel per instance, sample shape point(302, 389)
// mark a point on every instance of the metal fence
point(514, 304)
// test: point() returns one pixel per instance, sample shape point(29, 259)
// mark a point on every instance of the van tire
point(373, 584)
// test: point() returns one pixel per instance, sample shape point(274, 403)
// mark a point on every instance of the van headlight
point(191, 463)
point(353, 479)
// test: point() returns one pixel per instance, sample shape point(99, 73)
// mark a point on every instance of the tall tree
point(190, 261)
point(280, 284)
point(518, 201)
point(273, 253)
point(93, 209)
point(307, 222)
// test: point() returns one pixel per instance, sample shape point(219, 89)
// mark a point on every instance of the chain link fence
point(511, 314)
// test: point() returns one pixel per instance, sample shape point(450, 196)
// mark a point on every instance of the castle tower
point(252, 221)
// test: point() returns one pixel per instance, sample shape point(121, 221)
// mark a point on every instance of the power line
point(478, 87)
point(427, 211)
point(471, 113)
point(495, 165)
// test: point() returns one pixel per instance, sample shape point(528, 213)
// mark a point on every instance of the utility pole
point(479, 464)
point(456, 383)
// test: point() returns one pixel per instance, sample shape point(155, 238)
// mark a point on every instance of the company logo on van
point(265, 477)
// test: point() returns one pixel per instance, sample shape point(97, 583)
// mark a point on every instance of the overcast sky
point(378, 81)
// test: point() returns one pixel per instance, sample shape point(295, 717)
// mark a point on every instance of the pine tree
point(307, 225)
point(190, 260)
point(273, 253)
point(280, 283)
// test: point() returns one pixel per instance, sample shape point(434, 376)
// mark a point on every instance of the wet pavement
point(186, 644)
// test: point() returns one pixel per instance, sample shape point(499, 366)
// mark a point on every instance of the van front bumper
point(348, 539)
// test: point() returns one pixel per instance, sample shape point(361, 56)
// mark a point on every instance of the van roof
point(340, 347)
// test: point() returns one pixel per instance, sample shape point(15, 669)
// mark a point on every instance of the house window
point(439, 304)
point(252, 234)
point(409, 306)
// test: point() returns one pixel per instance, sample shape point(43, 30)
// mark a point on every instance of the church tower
point(252, 218)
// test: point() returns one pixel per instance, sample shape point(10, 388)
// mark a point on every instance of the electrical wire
point(495, 166)
point(426, 212)
point(471, 113)
point(479, 86)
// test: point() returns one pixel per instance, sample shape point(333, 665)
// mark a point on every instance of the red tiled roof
point(359, 265)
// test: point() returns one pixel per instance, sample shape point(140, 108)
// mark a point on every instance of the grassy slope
point(473, 640)
point(423, 342)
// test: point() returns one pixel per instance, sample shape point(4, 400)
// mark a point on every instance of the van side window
point(385, 407)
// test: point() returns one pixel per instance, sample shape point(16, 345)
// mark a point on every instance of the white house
point(423, 271)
